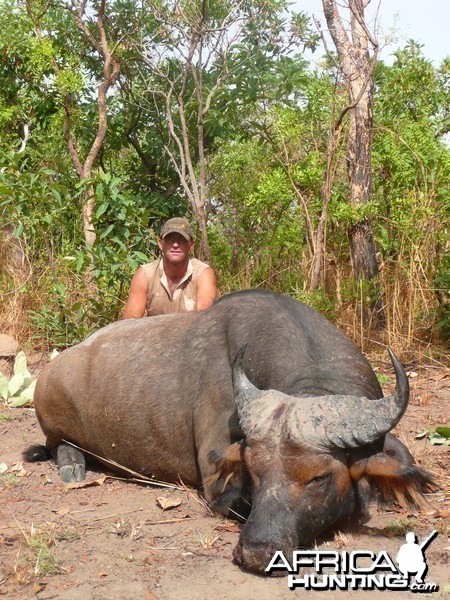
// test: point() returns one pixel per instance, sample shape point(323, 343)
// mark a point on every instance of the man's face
point(175, 248)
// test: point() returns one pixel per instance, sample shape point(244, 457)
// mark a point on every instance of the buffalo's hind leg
point(71, 463)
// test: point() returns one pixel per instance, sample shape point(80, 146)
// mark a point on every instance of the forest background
point(116, 115)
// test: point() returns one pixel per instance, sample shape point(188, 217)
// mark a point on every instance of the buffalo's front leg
point(71, 463)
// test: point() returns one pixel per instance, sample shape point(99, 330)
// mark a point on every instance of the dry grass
point(14, 300)
point(410, 302)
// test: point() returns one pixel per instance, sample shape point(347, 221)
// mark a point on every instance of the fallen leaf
point(390, 533)
point(412, 374)
point(64, 510)
point(85, 484)
point(441, 513)
point(69, 569)
point(9, 540)
point(18, 469)
point(149, 595)
point(102, 574)
point(39, 586)
point(167, 503)
point(3, 468)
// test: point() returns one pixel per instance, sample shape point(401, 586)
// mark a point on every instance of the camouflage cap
point(177, 225)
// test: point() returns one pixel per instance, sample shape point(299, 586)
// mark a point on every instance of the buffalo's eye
point(319, 479)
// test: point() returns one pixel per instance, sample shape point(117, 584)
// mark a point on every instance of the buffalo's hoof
point(71, 463)
point(72, 473)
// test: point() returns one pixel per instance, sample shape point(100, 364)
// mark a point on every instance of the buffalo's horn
point(244, 390)
point(349, 421)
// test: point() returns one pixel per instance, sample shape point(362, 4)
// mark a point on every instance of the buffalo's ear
point(390, 481)
point(227, 486)
point(232, 454)
point(227, 464)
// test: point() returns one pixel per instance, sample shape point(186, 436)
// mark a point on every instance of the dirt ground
point(118, 540)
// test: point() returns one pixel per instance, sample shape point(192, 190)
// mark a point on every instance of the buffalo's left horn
point(349, 422)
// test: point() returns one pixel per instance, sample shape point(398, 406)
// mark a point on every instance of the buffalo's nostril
point(253, 557)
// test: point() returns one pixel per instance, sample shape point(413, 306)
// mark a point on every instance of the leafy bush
point(44, 216)
point(65, 326)
point(442, 283)
point(19, 390)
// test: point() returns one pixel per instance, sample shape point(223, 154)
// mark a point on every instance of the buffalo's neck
point(340, 378)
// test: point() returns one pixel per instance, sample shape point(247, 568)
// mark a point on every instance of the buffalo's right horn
point(349, 421)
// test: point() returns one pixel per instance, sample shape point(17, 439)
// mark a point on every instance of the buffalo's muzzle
point(255, 557)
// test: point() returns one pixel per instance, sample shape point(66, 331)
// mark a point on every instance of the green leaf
point(443, 431)
point(18, 231)
point(25, 397)
point(436, 440)
point(141, 256)
point(99, 191)
point(19, 401)
point(60, 289)
point(422, 434)
point(80, 262)
point(107, 231)
point(20, 365)
point(4, 387)
point(15, 383)
point(101, 209)
point(438, 436)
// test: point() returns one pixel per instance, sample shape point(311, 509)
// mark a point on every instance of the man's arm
point(206, 289)
point(137, 299)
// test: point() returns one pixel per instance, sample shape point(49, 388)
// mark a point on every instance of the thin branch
point(356, 101)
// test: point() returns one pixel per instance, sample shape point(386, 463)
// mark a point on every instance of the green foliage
point(383, 379)
point(409, 153)
point(37, 204)
point(442, 283)
point(40, 209)
point(319, 300)
point(19, 390)
point(40, 542)
point(400, 527)
point(123, 242)
point(266, 132)
point(68, 323)
point(6, 416)
point(438, 436)
point(258, 213)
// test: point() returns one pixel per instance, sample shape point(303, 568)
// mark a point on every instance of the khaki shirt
point(184, 299)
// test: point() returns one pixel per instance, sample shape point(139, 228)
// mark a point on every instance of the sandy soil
point(115, 540)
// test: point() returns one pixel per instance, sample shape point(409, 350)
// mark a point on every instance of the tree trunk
point(317, 268)
point(357, 66)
